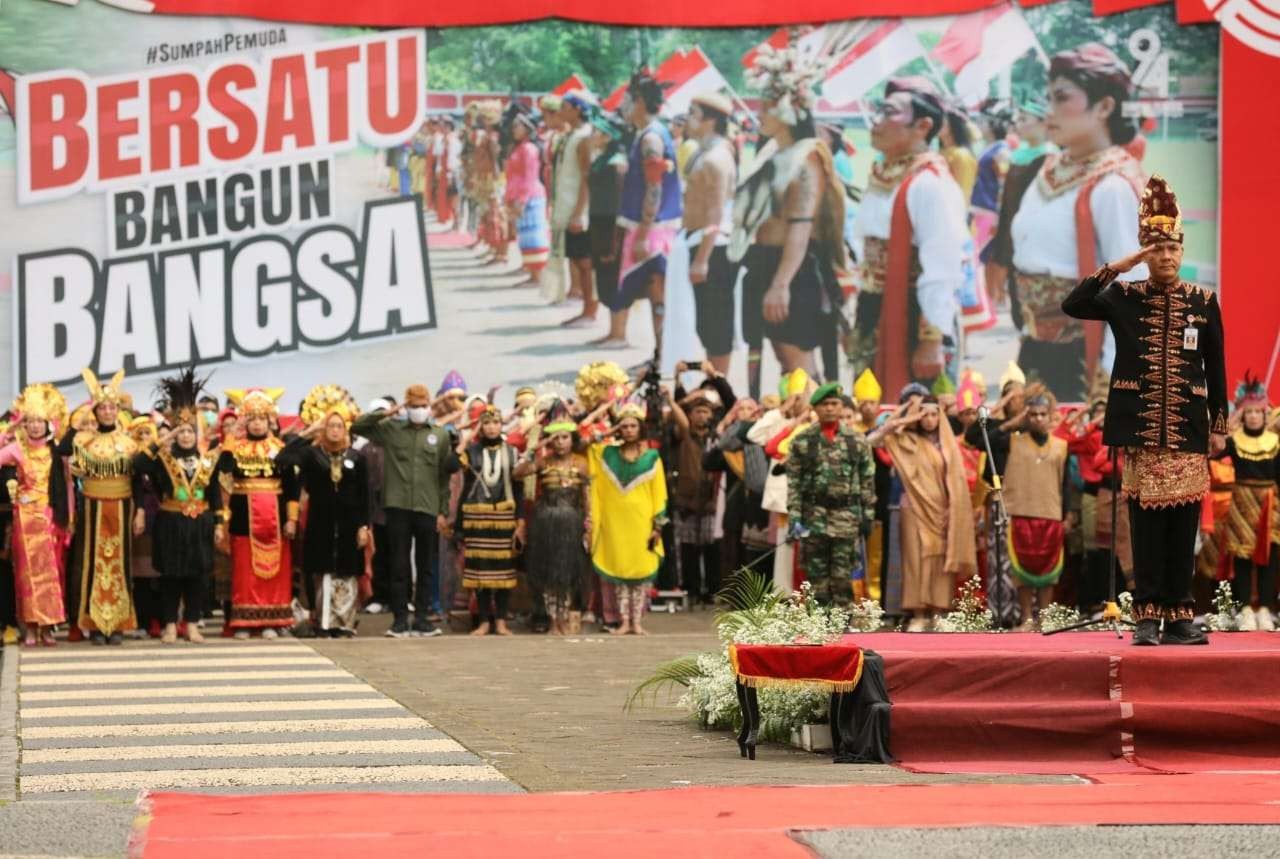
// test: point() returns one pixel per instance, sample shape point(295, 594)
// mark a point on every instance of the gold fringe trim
point(487, 584)
point(495, 554)
point(754, 681)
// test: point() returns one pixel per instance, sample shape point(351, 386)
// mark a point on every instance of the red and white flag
point(689, 73)
point(886, 47)
point(569, 84)
point(777, 40)
point(613, 100)
point(978, 46)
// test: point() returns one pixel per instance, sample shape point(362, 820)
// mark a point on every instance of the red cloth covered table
point(833, 667)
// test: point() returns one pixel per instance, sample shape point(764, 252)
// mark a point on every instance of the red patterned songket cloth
point(834, 667)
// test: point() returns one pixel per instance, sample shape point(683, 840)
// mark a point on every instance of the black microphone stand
point(1000, 525)
point(1111, 617)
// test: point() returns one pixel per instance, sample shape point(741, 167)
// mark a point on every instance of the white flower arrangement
point(971, 613)
point(866, 616)
point(1226, 610)
point(1058, 616)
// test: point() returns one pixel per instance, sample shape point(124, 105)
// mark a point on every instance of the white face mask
point(418, 414)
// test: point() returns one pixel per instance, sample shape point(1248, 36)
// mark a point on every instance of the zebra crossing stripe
point(178, 729)
point(238, 750)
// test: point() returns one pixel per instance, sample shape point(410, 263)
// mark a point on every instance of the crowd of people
point(579, 505)
point(965, 211)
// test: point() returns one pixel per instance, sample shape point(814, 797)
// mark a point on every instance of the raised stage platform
point(1082, 702)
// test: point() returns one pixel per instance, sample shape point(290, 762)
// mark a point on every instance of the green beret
point(826, 392)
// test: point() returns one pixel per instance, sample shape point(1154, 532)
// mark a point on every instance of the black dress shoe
point(1182, 632)
point(1147, 633)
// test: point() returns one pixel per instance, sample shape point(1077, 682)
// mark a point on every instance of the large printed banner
point(193, 182)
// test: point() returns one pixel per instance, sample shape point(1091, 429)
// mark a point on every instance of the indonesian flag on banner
point(613, 100)
point(777, 40)
point(980, 45)
point(689, 73)
point(569, 84)
point(886, 47)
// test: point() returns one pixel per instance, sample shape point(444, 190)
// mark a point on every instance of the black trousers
point(1250, 591)
point(700, 567)
point(491, 603)
point(188, 590)
point(410, 535)
point(8, 596)
point(1164, 546)
point(381, 566)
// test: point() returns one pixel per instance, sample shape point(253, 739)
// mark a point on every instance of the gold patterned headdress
point(325, 400)
point(42, 401)
point(1159, 217)
point(787, 78)
point(596, 381)
point(108, 393)
point(255, 402)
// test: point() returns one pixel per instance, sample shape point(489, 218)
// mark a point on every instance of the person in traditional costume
point(696, 493)
point(789, 223)
point(335, 477)
point(255, 499)
point(487, 181)
point(447, 154)
point(1167, 406)
point(936, 515)
point(560, 526)
point(180, 467)
point(955, 139)
point(40, 494)
point(101, 450)
point(606, 177)
point(1078, 207)
point(570, 212)
point(1253, 520)
point(629, 510)
point(649, 212)
point(913, 245)
point(700, 268)
point(525, 198)
point(1033, 462)
point(492, 533)
point(993, 166)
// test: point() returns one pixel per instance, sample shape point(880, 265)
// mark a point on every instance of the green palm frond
point(746, 589)
point(677, 672)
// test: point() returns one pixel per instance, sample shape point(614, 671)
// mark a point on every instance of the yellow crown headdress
point(867, 387)
point(255, 402)
point(325, 400)
point(108, 393)
point(42, 401)
point(596, 381)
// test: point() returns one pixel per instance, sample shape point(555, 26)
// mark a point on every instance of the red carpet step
point(1084, 703)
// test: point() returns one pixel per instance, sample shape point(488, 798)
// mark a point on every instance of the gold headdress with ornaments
point(42, 401)
point(108, 393)
point(325, 400)
point(255, 402)
point(632, 407)
point(1159, 217)
point(596, 381)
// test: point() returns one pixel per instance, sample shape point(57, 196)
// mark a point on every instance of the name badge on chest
point(1191, 337)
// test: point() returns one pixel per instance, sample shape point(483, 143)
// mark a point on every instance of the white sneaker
point(1265, 622)
point(374, 608)
point(241, 635)
point(1248, 619)
point(269, 634)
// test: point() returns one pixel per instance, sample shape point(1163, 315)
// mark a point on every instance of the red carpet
point(1084, 703)
point(741, 822)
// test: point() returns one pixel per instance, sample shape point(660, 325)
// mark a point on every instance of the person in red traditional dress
point(256, 503)
point(41, 503)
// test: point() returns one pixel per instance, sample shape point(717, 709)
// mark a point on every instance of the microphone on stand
point(983, 414)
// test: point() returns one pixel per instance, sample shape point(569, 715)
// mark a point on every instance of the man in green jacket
point(419, 457)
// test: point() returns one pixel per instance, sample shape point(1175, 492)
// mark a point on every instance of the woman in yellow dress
point(629, 508)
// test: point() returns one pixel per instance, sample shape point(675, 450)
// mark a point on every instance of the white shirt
point(774, 497)
point(1044, 235)
point(939, 230)
point(569, 179)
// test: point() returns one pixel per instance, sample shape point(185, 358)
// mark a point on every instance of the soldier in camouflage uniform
point(831, 496)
